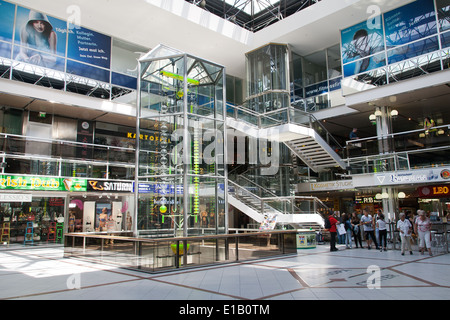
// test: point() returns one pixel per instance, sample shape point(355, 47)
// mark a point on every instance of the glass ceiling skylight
point(253, 15)
point(252, 7)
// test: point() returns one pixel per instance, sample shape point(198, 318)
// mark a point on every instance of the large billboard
point(39, 39)
point(89, 46)
point(401, 34)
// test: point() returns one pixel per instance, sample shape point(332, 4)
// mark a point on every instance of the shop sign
point(15, 197)
point(109, 186)
point(433, 175)
point(150, 137)
point(162, 189)
point(440, 191)
point(41, 183)
point(328, 185)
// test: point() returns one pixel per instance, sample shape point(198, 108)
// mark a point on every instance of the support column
point(385, 146)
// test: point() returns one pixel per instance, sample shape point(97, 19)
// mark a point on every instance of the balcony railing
point(37, 156)
point(407, 150)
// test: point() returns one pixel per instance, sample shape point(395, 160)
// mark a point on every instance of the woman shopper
point(382, 231)
point(404, 226)
point(356, 229)
point(348, 229)
point(423, 229)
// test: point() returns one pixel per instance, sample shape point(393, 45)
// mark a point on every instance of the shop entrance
point(100, 213)
point(29, 219)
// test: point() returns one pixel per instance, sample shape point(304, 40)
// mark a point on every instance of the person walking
point(423, 229)
point(382, 232)
point(367, 223)
point(404, 226)
point(356, 229)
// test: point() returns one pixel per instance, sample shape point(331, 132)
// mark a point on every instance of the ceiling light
point(384, 195)
point(401, 195)
point(378, 113)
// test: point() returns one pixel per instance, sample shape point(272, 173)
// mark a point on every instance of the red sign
point(441, 191)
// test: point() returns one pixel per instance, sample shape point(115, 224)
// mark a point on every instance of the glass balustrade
point(27, 155)
point(408, 150)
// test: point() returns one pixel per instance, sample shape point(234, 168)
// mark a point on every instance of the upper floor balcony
point(32, 156)
point(413, 149)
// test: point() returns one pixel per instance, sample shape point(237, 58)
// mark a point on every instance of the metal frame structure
point(253, 15)
point(158, 83)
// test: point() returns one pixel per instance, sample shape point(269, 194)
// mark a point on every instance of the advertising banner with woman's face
point(39, 39)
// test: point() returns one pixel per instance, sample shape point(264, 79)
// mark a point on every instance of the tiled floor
point(314, 274)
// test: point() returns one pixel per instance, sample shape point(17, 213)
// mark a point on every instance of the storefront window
point(36, 219)
point(102, 212)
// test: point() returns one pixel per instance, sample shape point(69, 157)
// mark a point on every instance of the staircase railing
point(278, 204)
point(281, 116)
point(407, 150)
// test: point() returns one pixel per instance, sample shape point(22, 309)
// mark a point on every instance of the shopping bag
point(341, 229)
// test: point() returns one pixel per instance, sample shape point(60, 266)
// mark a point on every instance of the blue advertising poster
point(36, 30)
point(89, 47)
point(409, 23)
point(316, 89)
point(7, 11)
point(39, 39)
point(413, 49)
point(84, 70)
point(364, 65)
point(362, 40)
point(5, 49)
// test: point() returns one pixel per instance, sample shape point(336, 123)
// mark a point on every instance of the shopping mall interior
point(160, 135)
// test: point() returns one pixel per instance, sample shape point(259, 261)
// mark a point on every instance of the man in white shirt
point(405, 228)
point(367, 222)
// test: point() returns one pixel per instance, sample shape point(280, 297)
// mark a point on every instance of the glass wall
point(267, 78)
point(316, 79)
point(182, 172)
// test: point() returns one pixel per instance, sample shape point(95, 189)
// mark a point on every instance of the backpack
point(327, 223)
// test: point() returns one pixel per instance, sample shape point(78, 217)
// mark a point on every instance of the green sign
point(42, 183)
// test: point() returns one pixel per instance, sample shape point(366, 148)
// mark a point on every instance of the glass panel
point(188, 145)
point(412, 50)
point(315, 68)
point(443, 8)
point(334, 62)
point(409, 23)
point(267, 69)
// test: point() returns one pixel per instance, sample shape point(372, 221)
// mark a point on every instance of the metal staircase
point(296, 130)
point(285, 213)
point(298, 135)
point(315, 153)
